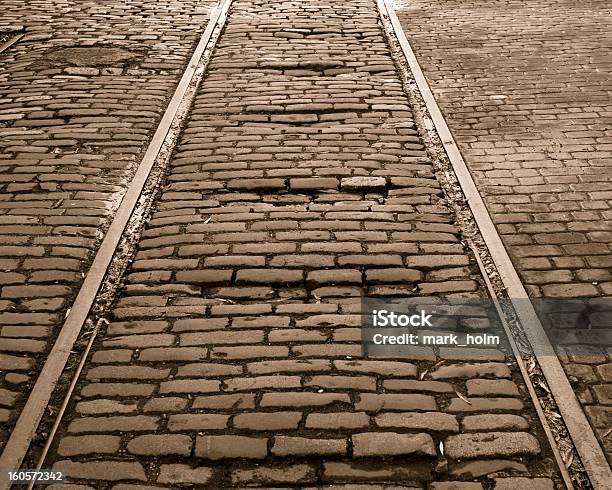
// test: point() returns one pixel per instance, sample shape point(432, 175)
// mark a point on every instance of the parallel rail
point(157, 154)
point(9, 42)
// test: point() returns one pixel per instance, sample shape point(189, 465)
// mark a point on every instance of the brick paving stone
point(488, 466)
point(463, 370)
point(80, 97)
point(484, 404)
point(299, 473)
point(114, 424)
point(167, 404)
point(101, 470)
point(414, 385)
point(303, 446)
point(537, 145)
point(157, 445)
point(296, 188)
point(224, 402)
point(388, 368)
point(342, 420)
point(489, 444)
point(105, 406)
point(391, 443)
point(376, 471)
point(182, 473)
point(68, 486)
point(375, 402)
point(199, 421)
point(491, 387)
point(534, 483)
point(218, 447)
point(494, 422)
point(71, 446)
point(427, 420)
point(267, 421)
point(456, 486)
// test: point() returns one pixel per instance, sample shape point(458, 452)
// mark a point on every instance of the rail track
point(9, 40)
point(578, 454)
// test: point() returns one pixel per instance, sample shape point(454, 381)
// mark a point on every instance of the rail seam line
point(25, 428)
point(578, 426)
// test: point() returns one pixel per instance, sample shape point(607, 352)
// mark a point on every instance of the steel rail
point(9, 42)
point(26, 426)
point(579, 428)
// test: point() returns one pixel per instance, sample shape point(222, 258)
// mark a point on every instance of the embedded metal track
point(127, 217)
point(9, 42)
point(580, 431)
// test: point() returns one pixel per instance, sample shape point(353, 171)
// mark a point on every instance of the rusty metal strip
point(524, 373)
point(579, 428)
point(33, 411)
point(7, 44)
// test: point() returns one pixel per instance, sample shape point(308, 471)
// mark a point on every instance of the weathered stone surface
point(391, 443)
point(78, 107)
point(101, 470)
point(522, 482)
point(426, 420)
point(494, 422)
point(491, 444)
point(362, 182)
point(219, 447)
point(181, 473)
point(551, 210)
point(474, 469)
point(300, 182)
point(91, 56)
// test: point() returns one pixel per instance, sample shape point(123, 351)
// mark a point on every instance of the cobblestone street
point(302, 181)
point(533, 120)
point(73, 124)
point(299, 184)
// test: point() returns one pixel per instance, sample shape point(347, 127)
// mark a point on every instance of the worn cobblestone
point(80, 96)
point(537, 140)
point(249, 339)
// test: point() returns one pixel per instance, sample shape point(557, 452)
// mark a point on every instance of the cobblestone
point(158, 445)
point(248, 344)
point(302, 446)
point(534, 483)
point(491, 444)
point(72, 446)
point(391, 443)
point(427, 420)
point(182, 473)
point(101, 470)
point(494, 422)
point(538, 144)
point(218, 447)
point(80, 96)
